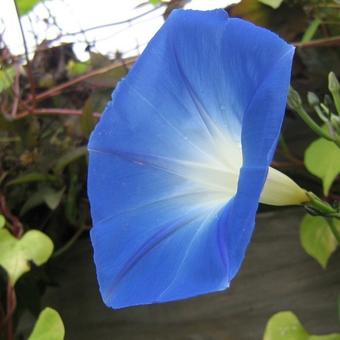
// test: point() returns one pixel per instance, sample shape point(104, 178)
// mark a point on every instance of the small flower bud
point(313, 99)
point(333, 83)
point(294, 100)
point(334, 88)
point(281, 190)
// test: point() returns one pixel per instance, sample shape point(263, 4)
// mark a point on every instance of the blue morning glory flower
point(180, 157)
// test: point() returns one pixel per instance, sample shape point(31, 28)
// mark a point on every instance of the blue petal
point(180, 156)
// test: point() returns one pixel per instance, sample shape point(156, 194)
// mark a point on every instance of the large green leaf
point(26, 5)
point(317, 239)
point(286, 326)
point(49, 326)
point(272, 3)
point(322, 159)
point(15, 254)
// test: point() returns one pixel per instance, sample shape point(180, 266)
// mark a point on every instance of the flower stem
point(69, 243)
point(311, 123)
point(318, 207)
point(11, 302)
point(286, 152)
point(295, 103)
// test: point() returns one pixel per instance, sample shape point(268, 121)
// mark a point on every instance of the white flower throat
point(220, 176)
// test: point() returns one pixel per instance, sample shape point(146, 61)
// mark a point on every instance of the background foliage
point(50, 102)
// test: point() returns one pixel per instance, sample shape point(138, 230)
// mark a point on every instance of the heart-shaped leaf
point(285, 325)
point(317, 238)
point(15, 254)
point(322, 159)
point(48, 326)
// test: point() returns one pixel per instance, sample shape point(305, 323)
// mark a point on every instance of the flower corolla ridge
point(179, 159)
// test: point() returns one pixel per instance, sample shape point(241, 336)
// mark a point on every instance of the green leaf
point(286, 326)
point(32, 177)
point(53, 198)
point(311, 30)
point(26, 6)
point(317, 238)
point(2, 221)
point(272, 3)
point(322, 159)
point(44, 194)
point(108, 79)
point(7, 76)
point(33, 201)
point(70, 157)
point(77, 68)
point(48, 326)
point(334, 336)
point(15, 254)
point(87, 120)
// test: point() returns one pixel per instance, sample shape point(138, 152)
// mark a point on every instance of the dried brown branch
point(17, 227)
point(61, 87)
point(54, 111)
point(117, 23)
point(332, 41)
